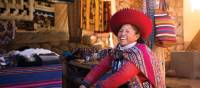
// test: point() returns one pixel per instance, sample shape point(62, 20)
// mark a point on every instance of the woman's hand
point(82, 86)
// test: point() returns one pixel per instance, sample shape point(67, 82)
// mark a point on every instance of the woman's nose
point(123, 33)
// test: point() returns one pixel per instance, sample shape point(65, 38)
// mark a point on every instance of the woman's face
point(127, 34)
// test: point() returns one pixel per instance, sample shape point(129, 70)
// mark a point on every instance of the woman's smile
point(127, 34)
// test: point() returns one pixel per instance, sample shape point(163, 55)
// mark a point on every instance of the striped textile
point(165, 30)
point(148, 8)
point(145, 61)
point(26, 77)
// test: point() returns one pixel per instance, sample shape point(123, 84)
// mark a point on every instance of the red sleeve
point(98, 70)
point(125, 73)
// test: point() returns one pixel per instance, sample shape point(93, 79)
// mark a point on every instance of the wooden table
point(74, 71)
point(81, 64)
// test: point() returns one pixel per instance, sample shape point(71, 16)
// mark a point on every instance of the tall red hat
point(134, 17)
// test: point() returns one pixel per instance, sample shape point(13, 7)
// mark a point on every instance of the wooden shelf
point(45, 8)
point(5, 17)
point(17, 11)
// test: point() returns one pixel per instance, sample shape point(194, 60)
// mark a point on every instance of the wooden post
point(75, 32)
point(65, 73)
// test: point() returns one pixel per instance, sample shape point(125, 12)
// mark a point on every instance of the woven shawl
point(143, 58)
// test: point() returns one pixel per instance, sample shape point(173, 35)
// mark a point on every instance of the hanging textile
point(165, 34)
point(7, 31)
point(107, 16)
point(145, 6)
point(101, 16)
point(163, 5)
point(150, 11)
point(95, 15)
point(87, 14)
point(82, 14)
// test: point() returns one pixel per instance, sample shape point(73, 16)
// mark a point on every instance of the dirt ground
point(182, 83)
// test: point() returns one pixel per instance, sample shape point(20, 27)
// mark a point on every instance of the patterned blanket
point(37, 77)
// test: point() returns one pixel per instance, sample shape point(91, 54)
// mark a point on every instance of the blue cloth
point(67, 54)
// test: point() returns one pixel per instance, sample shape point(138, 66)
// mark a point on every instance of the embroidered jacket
point(136, 67)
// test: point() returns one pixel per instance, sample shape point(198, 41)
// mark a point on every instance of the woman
point(132, 63)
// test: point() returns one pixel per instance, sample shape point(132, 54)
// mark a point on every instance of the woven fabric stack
point(165, 35)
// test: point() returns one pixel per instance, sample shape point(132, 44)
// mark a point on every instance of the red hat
point(134, 17)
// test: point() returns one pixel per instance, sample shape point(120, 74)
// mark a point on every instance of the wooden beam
point(75, 33)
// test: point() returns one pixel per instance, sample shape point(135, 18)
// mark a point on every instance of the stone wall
point(136, 4)
point(100, 40)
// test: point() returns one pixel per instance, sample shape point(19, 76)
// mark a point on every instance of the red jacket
point(126, 73)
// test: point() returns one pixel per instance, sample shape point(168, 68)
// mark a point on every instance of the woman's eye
point(120, 31)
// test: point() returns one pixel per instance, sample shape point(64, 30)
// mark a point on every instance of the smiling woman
point(128, 34)
point(132, 63)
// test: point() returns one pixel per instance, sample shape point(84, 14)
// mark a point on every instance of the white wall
point(191, 22)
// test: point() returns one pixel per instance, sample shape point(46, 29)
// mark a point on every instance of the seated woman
point(132, 62)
